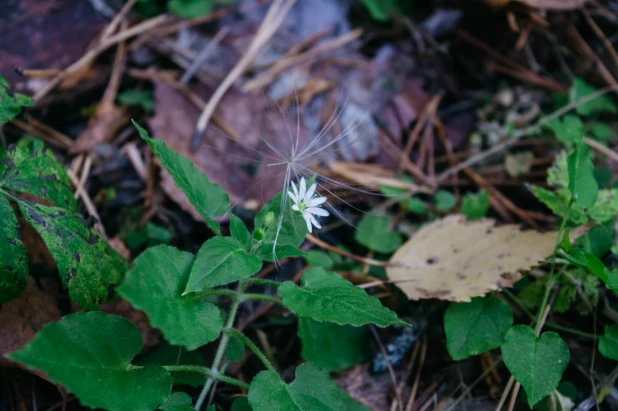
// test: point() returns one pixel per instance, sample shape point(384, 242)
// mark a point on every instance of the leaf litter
point(455, 259)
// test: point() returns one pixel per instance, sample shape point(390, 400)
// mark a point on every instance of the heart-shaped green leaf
point(374, 232)
point(328, 297)
point(155, 285)
point(537, 363)
point(475, 327)
point(239, 231)
point(87, 264)
point(312, 390)
point(209, 199)
point(90, 354)
point(220, 261)
point(332, 347)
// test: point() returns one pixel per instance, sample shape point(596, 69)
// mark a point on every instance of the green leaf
point(11, 105)
point(320, 258)
point(241, 404)
point(606, 206)
point(265, 252)
point(90, 354)
point(475, 327)
point(155, 285)
point(608, 343)
point(220, 261)
point(445, 200)
point(328, 297)
point(602, 132)
point(235, 350)
point(13, 256)
point(190, 9)
point(569, 130)
point(87, 264)
point(349, 404)
point(598, 240)
point(537, 363)
point(332, 347)
point(292, 231)
point(239, 231)
point(208, 199)
point(582, 184)
point(374, 232)
point(475, 206)
point(166, 354)
point(312, 390)
point(178, 401)
point(581, 89)
point(135, 97)
point(30, 168)
point(381, 10)
point(151, 234)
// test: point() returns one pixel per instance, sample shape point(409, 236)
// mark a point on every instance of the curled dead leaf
point(454, 259)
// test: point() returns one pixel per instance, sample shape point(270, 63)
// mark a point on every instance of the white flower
point(308, 202)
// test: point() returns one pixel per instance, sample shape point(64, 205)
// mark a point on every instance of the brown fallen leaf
point(241, 169)
point(22, 318)
point(106, 121)
point(453, 259)
point(368, 389)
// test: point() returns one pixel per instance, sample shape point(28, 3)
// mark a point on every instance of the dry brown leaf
point(106, 121)
point(372, 176)
point(453, 259)
point(22, 318)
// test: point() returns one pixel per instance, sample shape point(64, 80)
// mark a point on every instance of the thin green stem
point(259, 281)
point(206, 371)
point(570, 330)
point(225, 338)
point(217, 291)
point(258, 353)
point(552, 278)
point(519, 303)
point(265, 297)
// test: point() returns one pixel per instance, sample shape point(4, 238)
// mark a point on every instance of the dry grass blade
point(453, 259)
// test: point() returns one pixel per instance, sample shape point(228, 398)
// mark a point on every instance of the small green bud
point(269, 219)
point(258, 235)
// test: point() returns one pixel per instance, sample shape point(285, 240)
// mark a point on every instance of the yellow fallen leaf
point(454, 259)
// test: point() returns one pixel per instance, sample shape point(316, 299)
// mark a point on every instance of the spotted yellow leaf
point(455, 259)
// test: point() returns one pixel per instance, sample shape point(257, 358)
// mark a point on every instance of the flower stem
point(259, 281)
point(225, 338)
point(265, 297)
point(206, 371)
point(258, 353)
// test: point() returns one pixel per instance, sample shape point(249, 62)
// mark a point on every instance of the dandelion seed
point(308, 203)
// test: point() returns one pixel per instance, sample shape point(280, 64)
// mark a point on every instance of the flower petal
point(294, 189)
point(308, 218)
point(315, 201)
point(314, 221)
point(293, 196)
point(317, 211)
point(295, 207)
point(303, 188)
point(309, 193)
